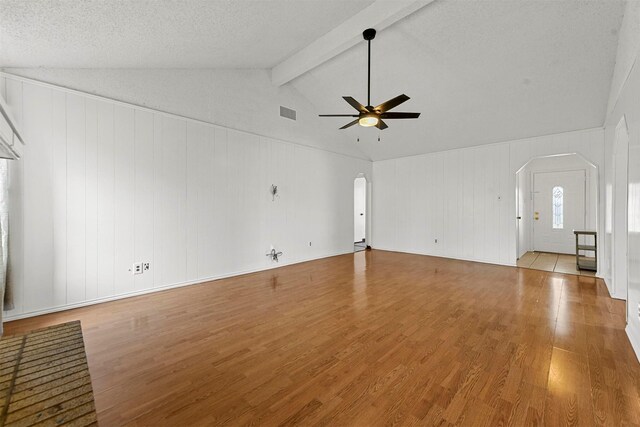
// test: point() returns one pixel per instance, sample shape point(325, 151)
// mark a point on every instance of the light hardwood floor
point(371, 338)
point(560, 263)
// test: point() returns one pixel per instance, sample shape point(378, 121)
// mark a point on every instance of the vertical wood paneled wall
point(103, 185)
point(462, 203)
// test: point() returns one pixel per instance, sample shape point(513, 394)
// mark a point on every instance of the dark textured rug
point(44, 379)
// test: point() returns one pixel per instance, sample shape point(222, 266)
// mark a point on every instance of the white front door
point(558, 209)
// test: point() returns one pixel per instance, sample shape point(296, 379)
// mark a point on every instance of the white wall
point(552, 164)
point(103, 184)
point(359, 207)
point(465, 199)
point(626, 103)
point(236, 99)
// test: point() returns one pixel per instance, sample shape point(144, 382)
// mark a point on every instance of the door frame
point(368, 205)
point(621, 126)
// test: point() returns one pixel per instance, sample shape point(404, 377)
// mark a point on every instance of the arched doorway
point(359, 214)
point(557, 195)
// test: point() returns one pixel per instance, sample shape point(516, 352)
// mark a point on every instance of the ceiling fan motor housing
point(369, 34)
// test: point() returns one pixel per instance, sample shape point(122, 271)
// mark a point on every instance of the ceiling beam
point(379, 15)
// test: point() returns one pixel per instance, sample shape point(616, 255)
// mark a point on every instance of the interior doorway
point(556, 195)
point(359, 214)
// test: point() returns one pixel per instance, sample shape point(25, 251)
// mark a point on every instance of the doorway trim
point(615, 291)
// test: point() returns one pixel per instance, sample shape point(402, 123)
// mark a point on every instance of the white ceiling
point(478, 71)
point(163, 34)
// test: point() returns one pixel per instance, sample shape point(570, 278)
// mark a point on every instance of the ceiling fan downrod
point(369, 34)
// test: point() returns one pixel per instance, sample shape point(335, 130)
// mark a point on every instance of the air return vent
point(287, 113)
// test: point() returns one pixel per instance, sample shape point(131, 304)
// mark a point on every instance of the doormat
point(44, 379)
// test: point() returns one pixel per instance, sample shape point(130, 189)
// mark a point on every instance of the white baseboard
point(508, 264)
point(609, 283)
point(7, 317)
point(617, 296)
point(633, 333)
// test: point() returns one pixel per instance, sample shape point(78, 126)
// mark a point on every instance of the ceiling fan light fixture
point(368, 120)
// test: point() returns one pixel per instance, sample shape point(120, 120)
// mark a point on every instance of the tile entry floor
point(559, 263)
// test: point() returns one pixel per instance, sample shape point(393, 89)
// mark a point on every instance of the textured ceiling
point(163, 34)
point(479, 72)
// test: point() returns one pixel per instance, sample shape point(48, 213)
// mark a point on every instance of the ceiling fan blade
point(394, 102)
point(400, 115)
point(348, 125)
point(381, 125)
point(355, 104)
point(339, 115)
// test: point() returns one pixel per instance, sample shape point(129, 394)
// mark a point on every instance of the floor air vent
point(287, 113)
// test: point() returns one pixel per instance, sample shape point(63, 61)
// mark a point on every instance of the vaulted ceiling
point(478, 71)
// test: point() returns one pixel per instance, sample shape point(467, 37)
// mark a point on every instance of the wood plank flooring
point(372, 338)
point(560, 263)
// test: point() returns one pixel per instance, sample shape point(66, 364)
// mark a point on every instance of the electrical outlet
point(146, 266)
point(137, 268)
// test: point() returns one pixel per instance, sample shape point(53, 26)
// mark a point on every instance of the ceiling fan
point(372, 116)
